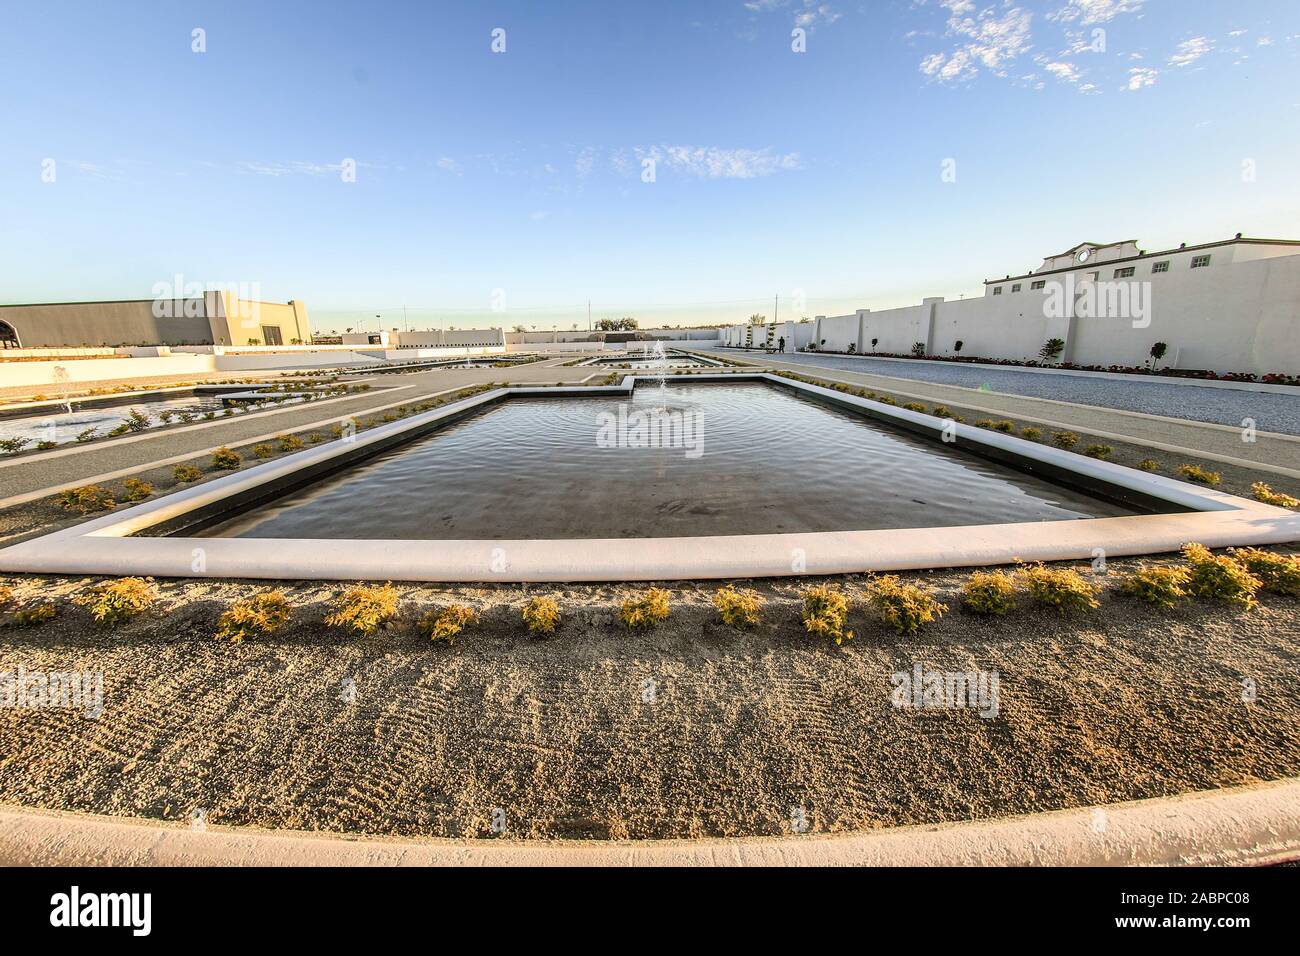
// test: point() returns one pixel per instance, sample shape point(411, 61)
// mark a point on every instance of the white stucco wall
point(1239, 314)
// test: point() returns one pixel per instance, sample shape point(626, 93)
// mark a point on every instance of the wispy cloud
point(1189, 51)
point(291, 168)
point(808, 14)
point(715, 162)
point(1140, 76)
point(1088, 12)
point(989, 39)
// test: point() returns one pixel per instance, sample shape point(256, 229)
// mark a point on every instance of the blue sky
point(515, 179)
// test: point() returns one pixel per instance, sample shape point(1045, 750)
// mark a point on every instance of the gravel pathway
point(1271, 411)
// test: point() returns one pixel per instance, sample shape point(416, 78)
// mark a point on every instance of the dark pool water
point(769, 461)
point(60, 426)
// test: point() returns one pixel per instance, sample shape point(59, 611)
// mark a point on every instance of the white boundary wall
point(1236, 315)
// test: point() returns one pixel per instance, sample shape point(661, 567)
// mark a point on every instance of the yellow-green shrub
point(1279, 573)
point(1264, 493)
point(645, 610)
point(365, 607)
point(1098, 451)
point(1199, 475)
point(1032, 433)
point(260, 614)
point(1148, 464)
point(825, 611)
point(114, 601)
point(1217, 577)
point(989, 592)
point(904, 607)
point(224, 459)
point(445, 623)
point(86, 499)
point(35, 616)
point(542, 615)
point(1162, 587)
point(1063, 588)
point(739, 609)
point(263, 450)
point(186, 473)
point(1004, 425)
point(136, 489)
point(1065, 439)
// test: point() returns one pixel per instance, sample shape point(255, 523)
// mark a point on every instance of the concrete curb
point(1252, 825)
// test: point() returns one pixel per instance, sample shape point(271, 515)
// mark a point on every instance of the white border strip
point(1245, 826)
point(102, 545)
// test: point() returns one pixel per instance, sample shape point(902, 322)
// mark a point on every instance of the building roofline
point(1095, 245)
point(1148, 255)
point(165, 298)
point(31, 305)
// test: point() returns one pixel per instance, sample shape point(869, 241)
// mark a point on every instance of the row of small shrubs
point(1234, 577)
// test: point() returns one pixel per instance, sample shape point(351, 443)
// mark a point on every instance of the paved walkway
point(1272, 411)
point(1277, 454)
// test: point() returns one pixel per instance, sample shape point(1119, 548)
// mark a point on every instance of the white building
point(1230, 306)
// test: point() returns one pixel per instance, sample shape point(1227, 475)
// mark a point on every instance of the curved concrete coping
point(104, 546)
point(1245, 826)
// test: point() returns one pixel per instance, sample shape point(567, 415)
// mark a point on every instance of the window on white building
point(1037, 284)
point(1160, 266)
point(1124, 273)
point(997, 290)
point(1200, 262)
point(1015, 287)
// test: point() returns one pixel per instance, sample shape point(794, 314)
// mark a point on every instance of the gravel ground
point(1271, 411)
point(688, 730)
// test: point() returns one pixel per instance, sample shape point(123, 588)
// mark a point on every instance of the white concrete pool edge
point(102, 545)
point(1244, 826)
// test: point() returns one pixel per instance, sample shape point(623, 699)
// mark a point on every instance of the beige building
point(215, 318)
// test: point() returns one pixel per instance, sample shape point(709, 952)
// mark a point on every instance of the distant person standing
point(780, 344)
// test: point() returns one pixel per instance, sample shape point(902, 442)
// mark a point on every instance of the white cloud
point(1067, 72)
point(1095, 11)
point(292, 168)
point(714, 162)
point(1264, 41)
point(1189, 51)
point(1140, 76)
point(807, 13)
point(986, 38)
point(812, 15)
point(448, 165)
